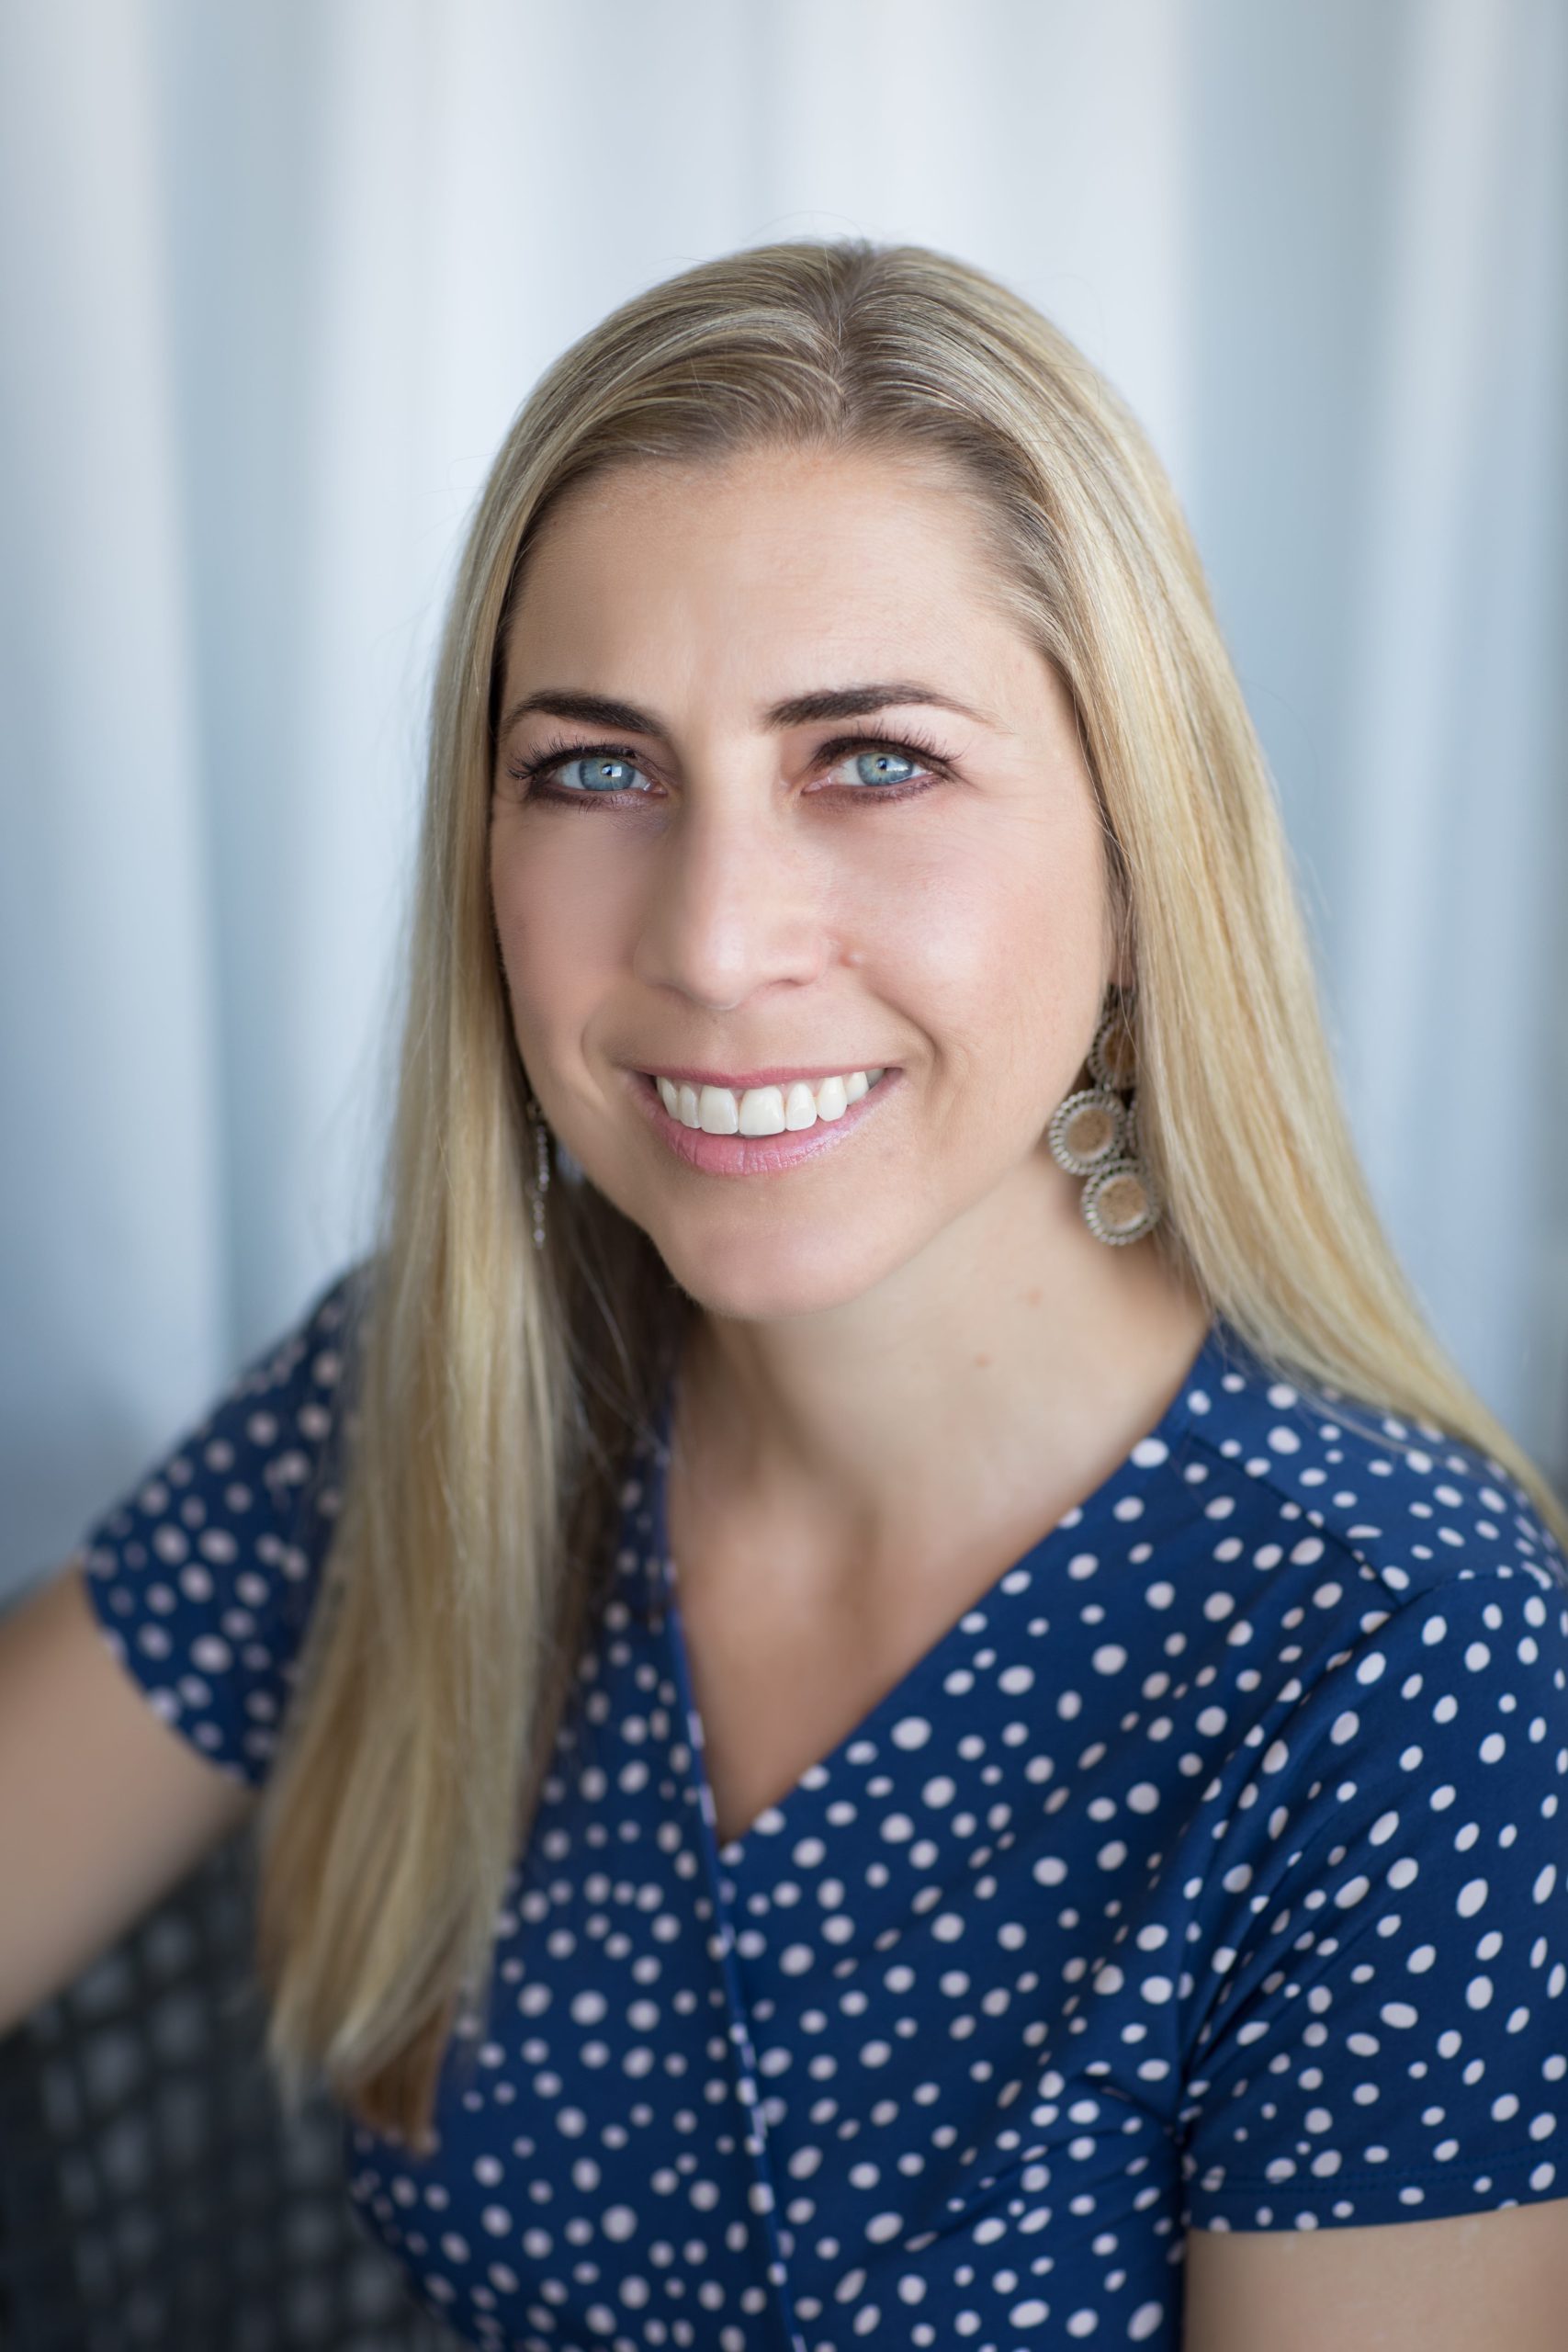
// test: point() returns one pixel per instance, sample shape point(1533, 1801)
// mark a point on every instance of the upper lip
point(782, 1074)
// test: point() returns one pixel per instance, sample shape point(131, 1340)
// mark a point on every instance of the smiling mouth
point(788, 1106)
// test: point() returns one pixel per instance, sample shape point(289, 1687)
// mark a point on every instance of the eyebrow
point(796, 710)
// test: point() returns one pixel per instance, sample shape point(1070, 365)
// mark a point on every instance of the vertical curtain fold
point(276, 278)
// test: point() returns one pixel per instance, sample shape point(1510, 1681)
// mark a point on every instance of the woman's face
point(753, 871)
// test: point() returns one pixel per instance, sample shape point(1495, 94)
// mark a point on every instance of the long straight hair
point(493, 1387)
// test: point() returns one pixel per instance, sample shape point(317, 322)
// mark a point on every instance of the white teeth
point(718, 1113)
point(763, 1110)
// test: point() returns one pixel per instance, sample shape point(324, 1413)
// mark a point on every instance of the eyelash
point(912, 746)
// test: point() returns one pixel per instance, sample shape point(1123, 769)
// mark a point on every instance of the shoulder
point(1380, 1903)
point(202, 1575)
point(1383, 1607)
point(1319, 1481)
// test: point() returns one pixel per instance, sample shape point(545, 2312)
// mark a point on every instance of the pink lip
point(753, 1155)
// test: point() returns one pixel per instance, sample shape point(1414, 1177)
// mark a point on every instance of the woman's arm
point(103, 1807)
point(1467, 2283)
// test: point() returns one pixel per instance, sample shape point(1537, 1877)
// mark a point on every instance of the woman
point(917, 1705)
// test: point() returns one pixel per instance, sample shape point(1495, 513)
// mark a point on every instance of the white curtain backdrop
point(275, 276)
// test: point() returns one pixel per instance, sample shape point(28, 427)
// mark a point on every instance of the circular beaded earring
point(1092, 1132)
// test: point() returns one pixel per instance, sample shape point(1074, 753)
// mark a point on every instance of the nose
point(737, 901)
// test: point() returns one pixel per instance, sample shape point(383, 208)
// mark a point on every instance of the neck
point(1018, 1358)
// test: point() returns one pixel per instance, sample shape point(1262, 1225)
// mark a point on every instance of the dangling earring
point(541, 1183)
point(1093, 1133)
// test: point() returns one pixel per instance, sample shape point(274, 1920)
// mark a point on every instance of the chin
point(772, 1276)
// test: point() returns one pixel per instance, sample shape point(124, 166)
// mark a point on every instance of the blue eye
point(884, 766)
point(886, 771)
point(607, 772)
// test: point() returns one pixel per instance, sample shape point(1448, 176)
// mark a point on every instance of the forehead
point(766, 558)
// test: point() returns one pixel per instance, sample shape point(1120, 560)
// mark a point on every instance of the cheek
point(556, 923)
point(994, 936)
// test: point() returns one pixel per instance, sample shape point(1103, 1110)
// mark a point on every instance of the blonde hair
point(495, 1388)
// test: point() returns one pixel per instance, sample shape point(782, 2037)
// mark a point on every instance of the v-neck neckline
point(1219, 1351)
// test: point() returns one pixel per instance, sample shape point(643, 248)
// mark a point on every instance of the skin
point(916, 1334)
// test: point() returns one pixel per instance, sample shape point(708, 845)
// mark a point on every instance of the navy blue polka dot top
point(1208, 1874)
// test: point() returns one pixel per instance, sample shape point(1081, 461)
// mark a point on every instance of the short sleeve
point(1386, 2036)
point(202, 1578)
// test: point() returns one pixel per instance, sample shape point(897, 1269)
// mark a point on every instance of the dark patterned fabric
point(150, 2193)
point(1206, 1872)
